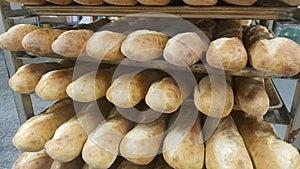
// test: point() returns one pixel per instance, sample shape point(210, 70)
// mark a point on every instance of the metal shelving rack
point(282, 116)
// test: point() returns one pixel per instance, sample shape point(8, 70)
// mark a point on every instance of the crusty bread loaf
point(67, 141)
point(77, 163)
point(264, 146)
point(27, 76)
point(256, 33)
point(214, 97)
point(90, 86)
point(35, 132)
point(226, 148)
point(90, 2)
point(92, 114)
point(161, 163)
point(185, 49)
point(71, 43)
point(228, 28)
point(102, 146)
point(166, 96)
point(280, 56)
point(129, 165)
point(241, 3)
point(61, 2)
point(251, 96)
point(40, 40)
point(144, 45)
point(201, 2)
point(29, 2)
point(154, 2)
point(129, 89)
point(121, 2)
point(227, 54)
point(105, 45)
point(33, 160)
point(53, 85)
point(12, 39)
point(142, 143)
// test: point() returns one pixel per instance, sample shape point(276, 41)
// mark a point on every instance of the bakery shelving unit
point(281, 116)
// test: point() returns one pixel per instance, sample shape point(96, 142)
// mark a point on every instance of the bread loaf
point(90, 2)
point(161, 164)
point(129, 165)
point(40, 40)
point(53, 85)
point(77, 163)
point(105, 45)
point(227, 54)
point(233, 153)
point(181, 142)
point(129, 89)
point(33, 160)
point(265, 147)
point(27, 76)
point(61, 2)
point(241, 3)
point(154, 2)
point(29, 2)
point(251, 96)
point(200, 2)
point(67, 141)
point(102, 146)
point(71, 43)
point(185, 49)
point(92, 114)
point(144, 45)
point(35, 132)
point(90, 86)
point(228, 28)
point(142, 143)
point(166, 96)
point(214, 97)
point(121, 2)
point(12, 39)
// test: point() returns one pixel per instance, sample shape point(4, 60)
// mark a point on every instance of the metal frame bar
point(23, 102)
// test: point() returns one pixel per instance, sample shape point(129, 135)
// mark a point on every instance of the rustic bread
point(90, 86)
point(141, 144)
point(29, 2)
point(129, 89)
point(228, 28)
point(40, 40)
point(200, 2)
point(227, 54)
point(35, 132)
point(33, 160)
point(90, 2)
point(61, 2)
point(241, 3)
point(154, 2)
point(144, 45)
point(185, 49)
point(77, 163)
point(105, 45)
point(27, 76)
point(251, 96)
point(226, 148)
point(264, 146)
point(71, 43)
point(12, 39)
point(53, 85)
point(102, 146)
point(214, 97)
point(178, 155)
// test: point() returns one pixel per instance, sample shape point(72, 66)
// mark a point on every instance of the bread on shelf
point(33, 160)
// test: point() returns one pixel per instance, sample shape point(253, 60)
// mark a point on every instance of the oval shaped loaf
point(53, 85)
point(227, 54)
point(12, 39)
point(144, 45)
point(40, 41)
point(105, 45)
point(71, 43)
point(35, 132)
point(241, 3)
point(27, 76)
point(33, 160)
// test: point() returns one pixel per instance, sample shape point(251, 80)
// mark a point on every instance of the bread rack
point(13, 61)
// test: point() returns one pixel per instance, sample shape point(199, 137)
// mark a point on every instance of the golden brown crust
point(201, 3)
point(154, 2)
point(34, 160)
point(241, 2)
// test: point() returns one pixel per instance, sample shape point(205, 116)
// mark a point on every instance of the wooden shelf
point(214, 12)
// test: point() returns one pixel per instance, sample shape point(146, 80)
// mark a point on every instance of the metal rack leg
point(23, 102)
